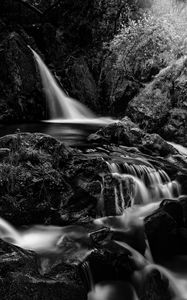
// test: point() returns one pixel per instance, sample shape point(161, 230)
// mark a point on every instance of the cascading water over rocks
point(130, 190)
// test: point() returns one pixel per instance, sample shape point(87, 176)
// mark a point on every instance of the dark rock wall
point(20, 96)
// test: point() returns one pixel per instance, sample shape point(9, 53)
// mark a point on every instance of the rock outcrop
point(82, 84)
point(116, 89)
point(43, 181)
point(21, 98)
point(161, 106)
point(127, 133)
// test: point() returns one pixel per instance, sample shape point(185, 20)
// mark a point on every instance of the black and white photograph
point(93, 149)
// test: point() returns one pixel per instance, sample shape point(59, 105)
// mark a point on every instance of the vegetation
point(145, 46)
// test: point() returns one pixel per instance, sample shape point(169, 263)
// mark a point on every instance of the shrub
point(144, 46)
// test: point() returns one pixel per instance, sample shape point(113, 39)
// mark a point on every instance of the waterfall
point(61, 107)
point(148, 184)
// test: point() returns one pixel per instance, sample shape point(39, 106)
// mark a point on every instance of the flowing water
point(69, 121)
point(147, 186)
point(62, 108)
point(182, 150)
point(150, 185)
point(53, 239)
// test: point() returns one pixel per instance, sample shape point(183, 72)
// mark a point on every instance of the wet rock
point(109, 206)
point(27, 275)
point(109, 263)
point(127, 133)
point(166, 230)
point(113, 263)
point(155, 287)
point(20, 90)
point(32, 185)
point(123, 132)
point(44, 181)
point(174, 209)
point(116, 89)
point(82, 84)
point(183, 203)
point(21, 277)
point(156, 144)
point(159, 228)
point(176, 128)
point(161, 106)
point(182, 179)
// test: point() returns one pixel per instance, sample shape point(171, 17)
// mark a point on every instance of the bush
point(145, 46)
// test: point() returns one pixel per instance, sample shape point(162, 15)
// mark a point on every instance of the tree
point(143, 47)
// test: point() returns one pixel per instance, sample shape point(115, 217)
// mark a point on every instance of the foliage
point(84, 23)
point(144, 46)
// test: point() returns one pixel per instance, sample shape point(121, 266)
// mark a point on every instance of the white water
point(182, 150)
point(113, 291)
point(49, 239)
point(144, 265)
point(150, 185)
point(141, 195)
point(177, 285)
point(42, 239)
point(62, 108)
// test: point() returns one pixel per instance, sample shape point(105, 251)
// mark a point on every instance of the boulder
point(166, 229)
point(82, 84)
point(68, 273)
point(44, 181)
point(161, 106)
point(22, 277)
point(127, 133)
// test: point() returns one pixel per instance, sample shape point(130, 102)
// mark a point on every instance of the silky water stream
point(147, 186)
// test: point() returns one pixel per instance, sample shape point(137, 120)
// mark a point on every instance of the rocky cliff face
point(20, 93)
point(161, 106)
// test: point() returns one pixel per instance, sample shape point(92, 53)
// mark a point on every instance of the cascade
point(150, 185)
point(45, 239)
point(61, 107)
point(147, 185)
